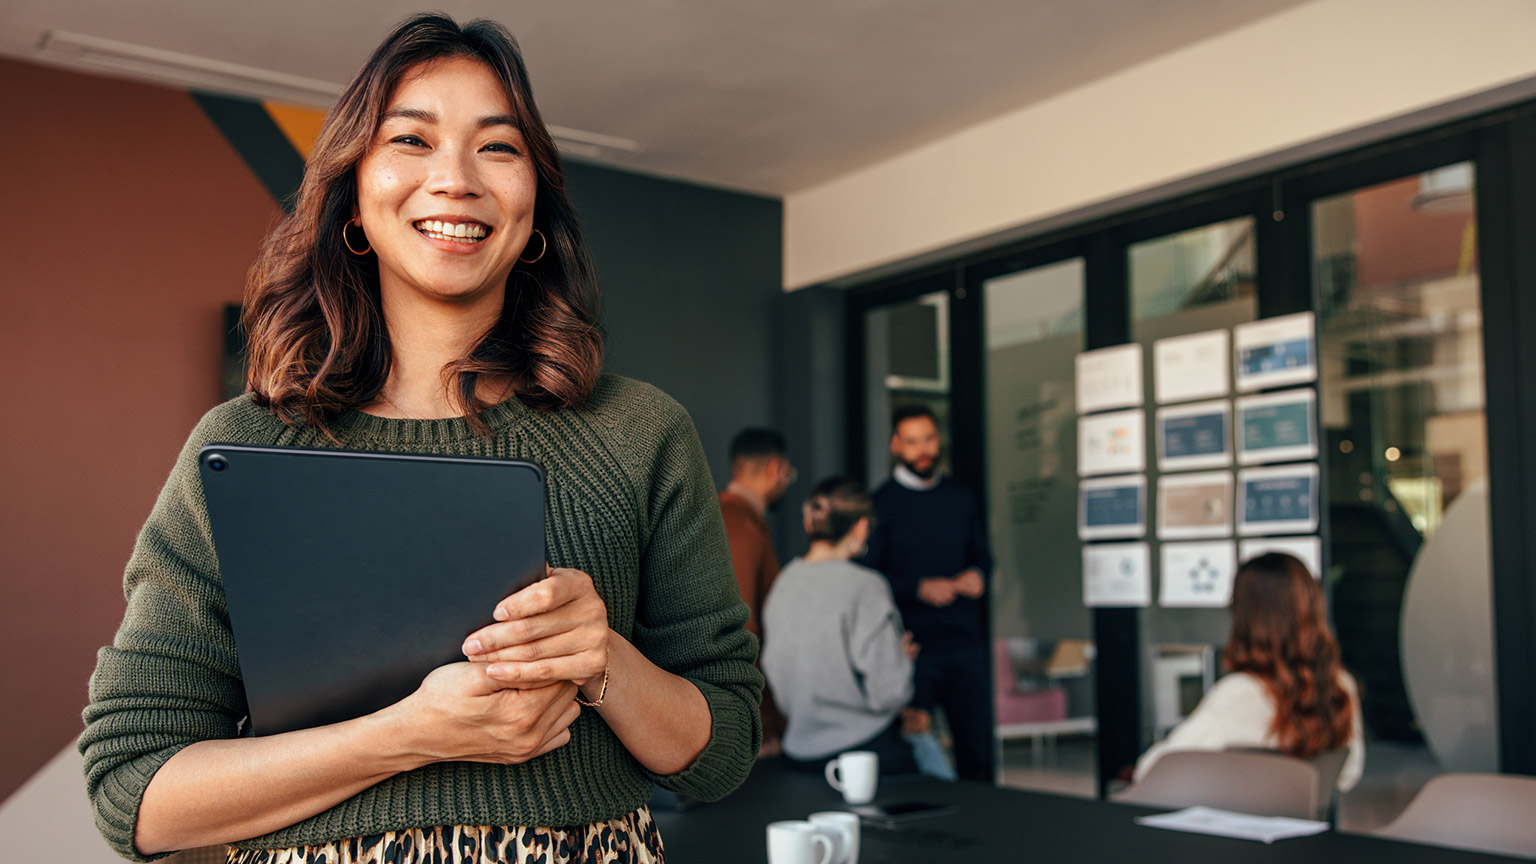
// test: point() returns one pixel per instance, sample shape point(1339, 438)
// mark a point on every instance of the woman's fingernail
point(473, 647)
point(496, 671)
point(500, 614)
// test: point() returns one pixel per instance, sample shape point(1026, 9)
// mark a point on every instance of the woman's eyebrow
point(500, 120)
point(421, 114)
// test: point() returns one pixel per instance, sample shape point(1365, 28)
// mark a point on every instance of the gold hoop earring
point(347, 241)
point(543, 247)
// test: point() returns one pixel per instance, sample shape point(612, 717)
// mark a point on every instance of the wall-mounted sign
point(1277, 427)
point(1109, 378)
point(1279, 500)
point(1191, 367)
point(1194, 436)
point(1117, 574)
point(1112, 508)
point(1191, 506)
point(1198, 574)
point(1275, 352)
point(1307, 550)
point(1114, 443)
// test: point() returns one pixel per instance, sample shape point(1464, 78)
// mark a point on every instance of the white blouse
point(1237, 712)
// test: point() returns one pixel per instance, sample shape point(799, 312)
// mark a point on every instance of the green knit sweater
point(629, 500)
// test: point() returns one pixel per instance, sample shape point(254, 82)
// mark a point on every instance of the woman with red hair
point(1285, 689)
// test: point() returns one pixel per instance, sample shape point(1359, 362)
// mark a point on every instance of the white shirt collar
point(908, 478)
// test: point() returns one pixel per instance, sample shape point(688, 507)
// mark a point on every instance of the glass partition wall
point(1194, 281)
point(1042, 634)
point(1386, 249)
point(1402, 396)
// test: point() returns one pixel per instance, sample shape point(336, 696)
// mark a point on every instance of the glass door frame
point(1505, 193)
point(1502, 145)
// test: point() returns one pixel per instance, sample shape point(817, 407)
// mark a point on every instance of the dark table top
point(993, 824)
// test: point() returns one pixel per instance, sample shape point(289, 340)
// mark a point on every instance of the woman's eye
point(408, 140)
point(501, 147)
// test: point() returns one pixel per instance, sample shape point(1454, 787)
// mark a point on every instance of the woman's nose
point(453, 173)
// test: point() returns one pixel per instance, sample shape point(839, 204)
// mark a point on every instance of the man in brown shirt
point(760, 474)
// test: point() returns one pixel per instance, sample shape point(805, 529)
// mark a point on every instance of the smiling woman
point(430, 294)
point(439, 132)
point(446, 193)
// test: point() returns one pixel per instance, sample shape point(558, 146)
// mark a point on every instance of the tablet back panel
point(350, 576)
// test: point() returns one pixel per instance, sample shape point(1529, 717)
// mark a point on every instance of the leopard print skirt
point(629, 839)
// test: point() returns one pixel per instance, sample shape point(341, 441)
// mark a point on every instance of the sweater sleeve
point(171, 676)
point(691, 618)
point(874, 650)
point(877, 557)
point(978, 552)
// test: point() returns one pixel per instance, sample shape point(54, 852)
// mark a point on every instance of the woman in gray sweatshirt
point(834, 649)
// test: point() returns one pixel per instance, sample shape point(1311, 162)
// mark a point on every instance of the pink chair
point(1018, 710)
point(1046, 705)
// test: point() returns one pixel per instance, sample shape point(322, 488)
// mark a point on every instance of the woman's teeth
point(460, 232)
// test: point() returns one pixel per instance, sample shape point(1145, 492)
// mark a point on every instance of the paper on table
point(1224, 823)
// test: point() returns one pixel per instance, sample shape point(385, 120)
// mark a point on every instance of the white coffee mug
point(855, 774)
point(843, 827)
point(796, 842)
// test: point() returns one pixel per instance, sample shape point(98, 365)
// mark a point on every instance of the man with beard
point(760, 475)
point(930, 542)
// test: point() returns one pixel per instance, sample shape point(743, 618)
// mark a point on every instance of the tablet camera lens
point(217, 462)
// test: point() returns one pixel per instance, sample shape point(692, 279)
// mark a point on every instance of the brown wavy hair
point(318, 344)
point(1281, 635)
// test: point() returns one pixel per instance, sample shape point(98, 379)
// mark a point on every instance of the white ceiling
point(771, 96)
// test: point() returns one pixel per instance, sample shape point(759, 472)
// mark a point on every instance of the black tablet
point(349, 576)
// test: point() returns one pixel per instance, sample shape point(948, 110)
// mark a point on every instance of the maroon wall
point(128, 222)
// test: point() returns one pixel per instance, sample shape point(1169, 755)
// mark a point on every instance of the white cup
point(855, 774)
point(796, 842)
point(843, 828)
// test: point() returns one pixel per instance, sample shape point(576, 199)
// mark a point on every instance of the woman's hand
point(460, 714)
point(554, 630)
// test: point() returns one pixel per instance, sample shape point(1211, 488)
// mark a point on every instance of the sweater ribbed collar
point(391, 430)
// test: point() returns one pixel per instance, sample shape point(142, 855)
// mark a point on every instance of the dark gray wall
point(691, 281)
point(811, 402)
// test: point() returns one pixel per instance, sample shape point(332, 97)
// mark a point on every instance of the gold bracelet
point(601, 693)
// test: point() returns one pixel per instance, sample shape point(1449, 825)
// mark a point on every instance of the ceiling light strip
point(203, 73)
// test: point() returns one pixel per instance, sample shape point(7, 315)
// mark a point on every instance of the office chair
point(1329, 764)
point(1482, 812)
point(1261, 784)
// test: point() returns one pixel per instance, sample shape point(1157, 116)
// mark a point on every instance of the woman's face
point(446, 190)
